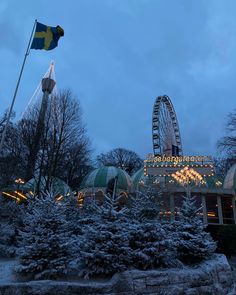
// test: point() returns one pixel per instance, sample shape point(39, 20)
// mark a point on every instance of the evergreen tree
point(45, 251)
point(73, 215)
point(116, 242)
point(150, 246)
point(145, 205)
point(105, 249)
point(7, 239)
point(192, 242)
point(11, 219)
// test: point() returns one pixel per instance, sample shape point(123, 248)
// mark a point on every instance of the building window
point(227, 210)
point(212, 209)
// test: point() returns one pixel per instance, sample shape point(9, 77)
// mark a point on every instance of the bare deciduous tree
point(122, 158)
point(227, 144)
point(63, 149)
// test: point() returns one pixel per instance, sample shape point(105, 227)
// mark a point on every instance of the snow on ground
point(7, 270)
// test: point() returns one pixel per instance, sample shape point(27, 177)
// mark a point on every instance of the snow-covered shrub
point(226, 239)
point(192, 242)
point(116, 242)
point(105, 249)
point(73, 215)
point(8, 240)
point(150, 246)
point(145, 205)
point(11, 218)
point(46, 239)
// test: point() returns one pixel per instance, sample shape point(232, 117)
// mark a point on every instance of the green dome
point(230, 178)
point(139, 178)
point(99, 178)
point(58, 186)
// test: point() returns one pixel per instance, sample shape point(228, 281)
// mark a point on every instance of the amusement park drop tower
point(47, 85)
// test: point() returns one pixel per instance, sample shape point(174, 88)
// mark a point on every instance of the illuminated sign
point(166, 165)
point(179, 159)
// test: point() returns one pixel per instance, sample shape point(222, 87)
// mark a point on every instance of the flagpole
point(16, 89)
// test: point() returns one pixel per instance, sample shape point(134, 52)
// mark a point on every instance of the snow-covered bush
point(73, 215)
point(191, 241)
point(145, 205)
point(8, 240)
point(11, 218)
point(116, 242)
point(150, 246)
point(45, 251)
point(105, 249)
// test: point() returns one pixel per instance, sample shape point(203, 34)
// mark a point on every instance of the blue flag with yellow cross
point(46, 37)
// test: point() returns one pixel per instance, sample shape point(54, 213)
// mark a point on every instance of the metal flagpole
point(17, 86)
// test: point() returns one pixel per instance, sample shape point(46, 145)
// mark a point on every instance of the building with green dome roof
point(57, 185)
point(20, 189)
point(174, 174)
point(217, 199)
point(105, 180)
point(139, 179)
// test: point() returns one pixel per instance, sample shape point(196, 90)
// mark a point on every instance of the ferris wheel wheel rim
point(157, 148)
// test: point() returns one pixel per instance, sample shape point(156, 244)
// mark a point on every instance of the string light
point(186, 175)
point(19, 181)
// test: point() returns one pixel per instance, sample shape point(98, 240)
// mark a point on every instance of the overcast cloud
point(117, 56)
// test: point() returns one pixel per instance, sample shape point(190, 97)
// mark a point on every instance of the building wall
point(217, 208)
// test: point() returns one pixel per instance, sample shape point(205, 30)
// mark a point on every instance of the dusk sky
point(117, 56)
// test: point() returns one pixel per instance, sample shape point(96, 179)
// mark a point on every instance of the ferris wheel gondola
point(165, 128)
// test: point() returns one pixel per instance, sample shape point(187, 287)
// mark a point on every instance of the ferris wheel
point(165, 128)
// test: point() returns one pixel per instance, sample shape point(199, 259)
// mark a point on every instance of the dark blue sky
point(118, 55)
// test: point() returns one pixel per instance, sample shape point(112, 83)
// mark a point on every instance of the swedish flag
point(46, 37)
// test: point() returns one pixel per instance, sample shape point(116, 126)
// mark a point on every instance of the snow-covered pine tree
point(105, 249)
point(46, 240)
point(73, 214)
point(111, 210)
point(117, 241)
point(145, 205)
point(192, 242)
point(11, 218)
point(151, 246)
point(7, 239)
